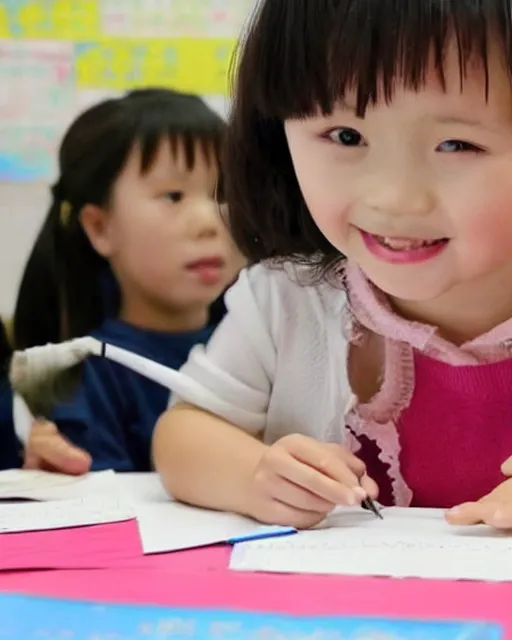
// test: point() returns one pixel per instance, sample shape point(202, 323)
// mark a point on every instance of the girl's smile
point(403, 250)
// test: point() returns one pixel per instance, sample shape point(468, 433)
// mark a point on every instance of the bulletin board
point(58, 57)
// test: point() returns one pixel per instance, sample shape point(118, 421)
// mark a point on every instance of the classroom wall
point(59, 56)
point(21, 213)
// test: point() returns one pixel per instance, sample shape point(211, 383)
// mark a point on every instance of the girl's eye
point(458, 146)
point(174, 196)
point(347, 137)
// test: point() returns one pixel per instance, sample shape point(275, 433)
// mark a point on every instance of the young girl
point(134, 251)
point(370, 158)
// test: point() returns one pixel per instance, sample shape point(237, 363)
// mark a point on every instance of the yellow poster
point(196, 65)
point(53, 19)
point(186, 44)
point(70, 53)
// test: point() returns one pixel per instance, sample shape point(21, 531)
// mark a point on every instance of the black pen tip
point(369, 505)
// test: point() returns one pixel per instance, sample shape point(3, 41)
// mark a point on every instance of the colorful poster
point(173, 19)
point(118, 64)
point(40, 618)
point(36, 108)
point(55, 55)
point(104, 19)
point(52, 19)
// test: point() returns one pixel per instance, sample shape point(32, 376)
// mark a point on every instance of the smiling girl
point(369, 354)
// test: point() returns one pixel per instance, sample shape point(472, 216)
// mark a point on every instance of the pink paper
point(188, 561)
point(422, 599)
point(95, 547)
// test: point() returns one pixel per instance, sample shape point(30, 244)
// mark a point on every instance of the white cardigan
point(278, 362)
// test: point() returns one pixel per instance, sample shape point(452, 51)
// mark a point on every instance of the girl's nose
point(399, 192)
point(206, 218)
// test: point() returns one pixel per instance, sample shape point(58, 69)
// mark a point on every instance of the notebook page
point(43, 485)
point(406, 543)
point(142, 488)
point(63, 514)
point(172, 526)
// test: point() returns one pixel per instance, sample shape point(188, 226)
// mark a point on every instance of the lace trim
point(386, 438)
point(372, 310)
point(377, 418)
point(397, 386)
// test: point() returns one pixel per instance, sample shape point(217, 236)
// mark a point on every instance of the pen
point(370, 505)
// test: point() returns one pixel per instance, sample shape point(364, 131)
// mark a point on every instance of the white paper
point(166, 525)
point(43, 485)
point(172, 526)
point(63, 514)
point(101, 497)
point(141, 488)
point(406, 543)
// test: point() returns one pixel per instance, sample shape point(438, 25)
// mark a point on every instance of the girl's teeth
point(405, 244)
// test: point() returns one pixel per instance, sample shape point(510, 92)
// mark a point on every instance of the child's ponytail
point(79, 268)
point(59, 295)
point(37, 316)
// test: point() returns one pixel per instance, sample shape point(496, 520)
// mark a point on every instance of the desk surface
point(201, 578)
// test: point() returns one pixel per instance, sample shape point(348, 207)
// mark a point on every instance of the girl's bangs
point(193, 128)
point(191, 143)
point(301, 56)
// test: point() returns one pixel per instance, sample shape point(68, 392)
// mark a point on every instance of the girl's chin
point(413, 289)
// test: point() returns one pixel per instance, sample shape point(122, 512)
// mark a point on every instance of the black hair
point(298, 58)
point(61, 294)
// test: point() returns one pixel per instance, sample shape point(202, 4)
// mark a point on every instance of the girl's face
point(165, 240)
point(419, 191)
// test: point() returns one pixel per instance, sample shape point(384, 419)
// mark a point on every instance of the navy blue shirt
point(114, 411)
point(10, 448)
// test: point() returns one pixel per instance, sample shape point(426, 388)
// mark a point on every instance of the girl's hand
point(299, 480)
point(494, 509)
point(47, 449)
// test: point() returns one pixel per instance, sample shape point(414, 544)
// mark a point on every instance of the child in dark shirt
point(134, 252)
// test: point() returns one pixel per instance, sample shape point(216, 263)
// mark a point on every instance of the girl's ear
point(95, 222)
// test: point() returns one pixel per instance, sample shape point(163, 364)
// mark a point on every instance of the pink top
point(440, 427)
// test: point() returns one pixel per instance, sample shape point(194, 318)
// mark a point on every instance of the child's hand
point(494, 509)
point(299, 480)
point(49, 450)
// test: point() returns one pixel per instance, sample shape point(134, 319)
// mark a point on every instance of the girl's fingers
point(487, 512)
point(466, 514)
point(499, 516)
point(506, 468)
point(353, 462)
point(31, 461)
point(48, 449)
point(325, 468)
point(294, 496)
point(370, 486)
point(287, 516)
point(335, 491)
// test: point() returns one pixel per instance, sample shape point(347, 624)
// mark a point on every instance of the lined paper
point(44, 485)
point(63, 514)
point(406, 543)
